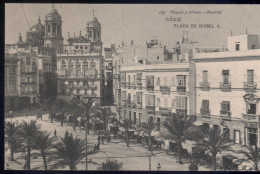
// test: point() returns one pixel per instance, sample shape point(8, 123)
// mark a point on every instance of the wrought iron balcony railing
point(181, 89)
point(165, 89)
point(251, 117)
point(224, 86)
point(204, 85)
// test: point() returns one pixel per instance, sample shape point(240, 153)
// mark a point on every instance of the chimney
point(132, 42)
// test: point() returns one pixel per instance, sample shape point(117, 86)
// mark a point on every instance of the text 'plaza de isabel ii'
point(217, 85)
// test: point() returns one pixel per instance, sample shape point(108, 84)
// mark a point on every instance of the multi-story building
point(154, 81)
point(108, 75)
point(79, 65)
point(227, 92)
point(35, 63)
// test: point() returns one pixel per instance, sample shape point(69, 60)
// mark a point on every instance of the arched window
point(63, 64)
point(54, 28)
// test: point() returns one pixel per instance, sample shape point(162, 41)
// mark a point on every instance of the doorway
point(252, 136)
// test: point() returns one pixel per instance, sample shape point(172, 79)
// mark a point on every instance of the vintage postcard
point(132, 87)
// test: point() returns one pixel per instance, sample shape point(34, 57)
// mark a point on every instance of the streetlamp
point(150, 155)
point(86, 137)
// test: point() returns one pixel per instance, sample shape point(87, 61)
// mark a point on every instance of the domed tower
point(53, 30)
point(20, 42)
point(35, 36)
point(94, 30)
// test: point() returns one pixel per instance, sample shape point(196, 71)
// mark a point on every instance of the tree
point(44, 143)
point(177, 126)
point(214, 141)
point(127, 125)
point(111, 165)
point(147, 128)
point(87, 105)
point(62, 107)
point(76, 111)
point(12, 137)
point(105, 114)
point(69, 152)
point(27, 132)
point(253, 155)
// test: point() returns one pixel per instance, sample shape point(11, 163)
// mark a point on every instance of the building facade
point(152, 81)
point(79, 65)
point(227, 92)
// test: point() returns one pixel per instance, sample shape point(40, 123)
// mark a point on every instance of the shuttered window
point(250, 77)
point(225, 106)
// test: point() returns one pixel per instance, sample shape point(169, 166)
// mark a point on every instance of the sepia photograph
point(131, 87)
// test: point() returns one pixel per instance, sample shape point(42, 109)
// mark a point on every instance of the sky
point(141, 22)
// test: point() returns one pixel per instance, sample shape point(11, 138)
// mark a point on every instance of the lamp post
point(150, 155)
point(86, 137)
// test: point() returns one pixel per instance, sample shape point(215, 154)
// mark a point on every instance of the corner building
point(227, 88)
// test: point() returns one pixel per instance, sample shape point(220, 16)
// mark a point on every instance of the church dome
point(53, 11)
point(38, 27)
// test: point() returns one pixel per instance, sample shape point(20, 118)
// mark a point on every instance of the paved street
point(134, 158)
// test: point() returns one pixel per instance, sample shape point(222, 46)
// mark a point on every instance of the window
point(150, 100)
point(81, 47)
point(134, 98)
point(63, 64)
point(129, 97)
point(86, 47)
point(181, 80)
point(34, 68)
point(165, 102)
point(58, 28)
point(158, 81)
point(237, 46)
point(158, 57)
point(12, 70)
point(225, 106)
point(251, 108)
point(173, 81)
point(54, 28)
point(90, 33)
point(85, 64)
point(150, 80)
point(123, 77)
point(49, 28)
point(205, 76)
point(129, 79)
point(225, 74)
point(70, 73)
point(77, 47)
point(139, 77)
point(250, 77)
point(173, 103)
point(253, 47)
point(158, 102)
point(140, 118)
point(134, 78)
point(139, 97)
point(181, 102)
point(205, 104)
point(92, 63)
point(77, 73)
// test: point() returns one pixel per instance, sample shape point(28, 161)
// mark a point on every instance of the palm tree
point(27, 132)
point(69, 152)
point(111, 165)
point(11, 135)
point(44, 143)
point(177, 126)
point(88, 105)
point(253, 155)
point(147, 128)
point(105, 114)
point(214, 141)
point(62, 107)
point(76, 111)
point(127, 125)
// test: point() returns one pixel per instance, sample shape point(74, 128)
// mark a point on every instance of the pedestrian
point(55, 132)
point(16, 122)
point(95, 148)
point(98, 147)
point(67, 133)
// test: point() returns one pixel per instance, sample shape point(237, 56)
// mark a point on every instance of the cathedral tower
point(94, 30)
point(53, 30)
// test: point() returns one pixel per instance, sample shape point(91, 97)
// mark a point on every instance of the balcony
point(29, 73)
point(204, 85)
point(225, 114)
point(165, 110)
point(123, 85)
point(128, 85)
point(29, 83)
point(250, 86)
point(251, 117)
point(93, 87)
point(133, 85)
point(181, 89)
point(150, 87)
point(225, 86)
point(133, 104)
point(139, 85)
point(140, 105)
point(92, 95)
point(150, 109)
point(205, 112)
point(165, 89)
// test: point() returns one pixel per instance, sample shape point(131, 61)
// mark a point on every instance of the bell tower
point(93, 30)
point(53, 30)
